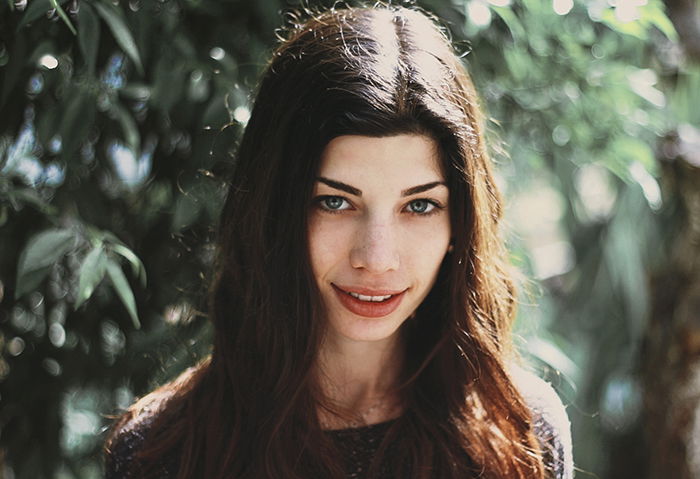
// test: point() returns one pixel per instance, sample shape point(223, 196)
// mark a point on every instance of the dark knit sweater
point(358, 445)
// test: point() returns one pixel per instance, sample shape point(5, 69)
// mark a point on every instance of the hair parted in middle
point(251, 410)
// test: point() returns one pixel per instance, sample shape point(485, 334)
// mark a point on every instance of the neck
point(359, 380)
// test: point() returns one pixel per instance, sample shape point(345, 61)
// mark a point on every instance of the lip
point(369, 309)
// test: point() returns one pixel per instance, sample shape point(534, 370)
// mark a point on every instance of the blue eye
point(421, 207)
point(333, 203)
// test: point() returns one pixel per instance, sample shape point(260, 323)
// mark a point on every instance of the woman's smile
point(371, 304)
point(379, 228)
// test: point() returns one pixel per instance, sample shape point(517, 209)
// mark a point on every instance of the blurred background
point(117, 123)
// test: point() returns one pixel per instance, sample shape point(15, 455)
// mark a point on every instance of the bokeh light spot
point(562, 7)
point(479, 13)
point(48, 61)
point(241, 114)
point(217, 53)
point(16, 346)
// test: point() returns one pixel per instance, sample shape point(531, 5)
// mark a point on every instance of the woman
point(361, 303)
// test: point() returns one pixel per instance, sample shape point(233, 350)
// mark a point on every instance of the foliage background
point(117, 123)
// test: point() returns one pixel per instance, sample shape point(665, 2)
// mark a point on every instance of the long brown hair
point(250, 411)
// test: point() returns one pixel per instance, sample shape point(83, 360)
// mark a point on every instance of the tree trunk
point(685, 17)
point(671, 352)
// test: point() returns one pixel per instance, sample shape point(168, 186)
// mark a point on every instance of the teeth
point(375, 299)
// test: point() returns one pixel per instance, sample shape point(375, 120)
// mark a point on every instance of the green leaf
point(629, 149)
point(169, 83)
point(76, 121)
point(115, 21)
point(653, 13)
point(64, 17)
point(110, 237)
point(88, 35)
point(30, 281)
point(91, 273)
point(14, 68)
point(511, 20)
point(35, 10)
point(42, 250)
point(121, 286)
point(633, 28)
point(30, 196)
point(545, 349)
point(186, 210)
point(136, 265)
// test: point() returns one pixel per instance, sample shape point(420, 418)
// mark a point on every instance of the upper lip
point(368, 291)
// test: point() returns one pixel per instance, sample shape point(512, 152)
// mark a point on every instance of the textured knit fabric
point(358, 445)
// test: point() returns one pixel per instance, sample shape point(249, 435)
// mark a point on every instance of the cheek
point(326, 244)
point(425, 245)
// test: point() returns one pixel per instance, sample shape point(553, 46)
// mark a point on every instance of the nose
point(376, 248)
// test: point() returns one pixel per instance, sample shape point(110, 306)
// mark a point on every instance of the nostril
point(375, 259)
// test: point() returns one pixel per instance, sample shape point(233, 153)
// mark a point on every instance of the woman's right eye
point(333, 203)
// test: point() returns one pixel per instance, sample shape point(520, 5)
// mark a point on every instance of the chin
point(361, 329)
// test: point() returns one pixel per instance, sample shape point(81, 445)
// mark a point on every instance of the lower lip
point(369, 309)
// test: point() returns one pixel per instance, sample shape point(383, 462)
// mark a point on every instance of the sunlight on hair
point(562, 7)
point(384, 31)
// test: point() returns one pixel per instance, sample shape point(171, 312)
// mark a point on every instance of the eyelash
point(319, 201)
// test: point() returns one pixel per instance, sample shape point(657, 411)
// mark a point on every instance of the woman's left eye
point(421, 207)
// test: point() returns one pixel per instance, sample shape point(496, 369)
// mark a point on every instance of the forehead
point(358, 157)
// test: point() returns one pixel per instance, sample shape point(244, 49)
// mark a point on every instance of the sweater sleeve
point(550, 423)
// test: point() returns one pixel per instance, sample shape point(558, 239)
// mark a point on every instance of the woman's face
point(379, 228)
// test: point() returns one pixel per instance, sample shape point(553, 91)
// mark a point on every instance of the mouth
point(374, 299)
point(369, 303)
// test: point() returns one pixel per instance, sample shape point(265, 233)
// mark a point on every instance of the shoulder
point(150, 429)
point(138, 434)
point(550, 421)
point(128, 437)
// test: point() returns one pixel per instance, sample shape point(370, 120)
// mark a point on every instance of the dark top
point(358, 445)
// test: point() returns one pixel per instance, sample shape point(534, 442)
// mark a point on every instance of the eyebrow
point(338, 185)
point(421, 188)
